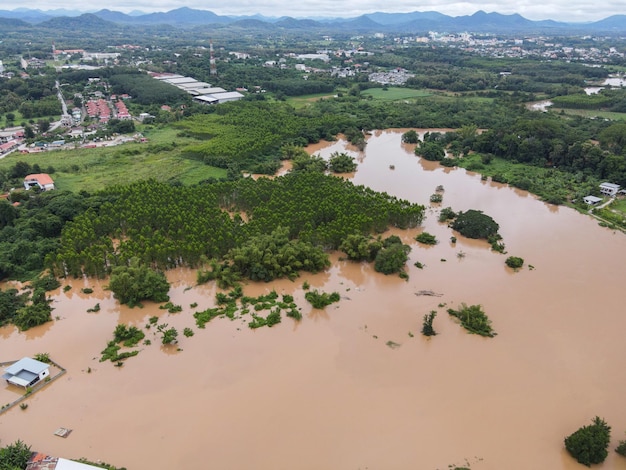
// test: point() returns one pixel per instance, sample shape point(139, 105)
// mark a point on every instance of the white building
point(592, 200)
point(42, 181)
point(26, 372)
point(609, 189)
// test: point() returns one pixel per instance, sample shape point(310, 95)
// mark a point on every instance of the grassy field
point(590, 113)
point(394, 93)
point(550, 184)
point(304, 100)
point(619, 205)
point(92, 169)
point(16, 122)
point(19, 119)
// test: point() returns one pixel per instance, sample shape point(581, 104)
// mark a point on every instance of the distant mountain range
point(414, 22)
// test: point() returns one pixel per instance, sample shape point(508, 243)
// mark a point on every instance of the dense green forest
point(550, 142)
point(167, 226)
point(32, 97)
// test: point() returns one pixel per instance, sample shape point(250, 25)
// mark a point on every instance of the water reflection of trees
point(38, 331)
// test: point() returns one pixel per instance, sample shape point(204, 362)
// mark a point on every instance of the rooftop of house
point(41, 178)
point(27, 364)
point(24, 371)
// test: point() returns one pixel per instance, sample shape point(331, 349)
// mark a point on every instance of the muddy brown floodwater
point(328, 392)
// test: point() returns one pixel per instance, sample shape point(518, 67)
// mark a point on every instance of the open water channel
point(328, 392)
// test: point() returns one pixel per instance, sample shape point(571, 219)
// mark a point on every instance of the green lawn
point(394, 93)
point(619, 205)
point(93, 169)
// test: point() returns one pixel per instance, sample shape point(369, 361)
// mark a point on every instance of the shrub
point(15, 456)
point(341, 163)
point(589, 444)
point(410, 137)
point(360, 247)
point(46, 282)
point(473, 319)
point(171, 308)
point(321, 299)
point(475, 224)
point(514, 262)
point(621, 448)
point(426, 238)
point(392, 259)
point(436, 197)
point(168, 335)
point(446, 214)
point(129, 335)
point(134, 283)
point(427, 325)
point(42, 357)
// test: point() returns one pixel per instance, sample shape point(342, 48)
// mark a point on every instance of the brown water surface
point(328, 392)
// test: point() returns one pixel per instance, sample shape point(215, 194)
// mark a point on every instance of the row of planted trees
point(167, 226)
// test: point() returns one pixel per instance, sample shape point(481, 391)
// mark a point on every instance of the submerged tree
point(427, 325)
point(589, 444)
point(341, 163)
point(392, 259)
point(475, 224)
point(473, 319)
point(410, 137)
point(168, 335)
point(132, 284)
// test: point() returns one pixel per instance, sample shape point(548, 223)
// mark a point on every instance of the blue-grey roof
point(28, 365)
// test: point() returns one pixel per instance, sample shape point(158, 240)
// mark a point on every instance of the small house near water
point(26, 372)
point(592, 200)
point(609, 189)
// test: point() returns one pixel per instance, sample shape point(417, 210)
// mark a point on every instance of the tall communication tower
point(213, 67)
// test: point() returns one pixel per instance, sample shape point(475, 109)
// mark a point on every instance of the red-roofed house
point(8, 146)
point(42, 181)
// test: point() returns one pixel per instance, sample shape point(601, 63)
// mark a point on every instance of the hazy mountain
point(30, 16)
point(403, 18)
point(82, 22)
point(181, 16)
point(411, 22)
point(292, 23)
point(11, 24)
point(612, 23)
point(114, 16)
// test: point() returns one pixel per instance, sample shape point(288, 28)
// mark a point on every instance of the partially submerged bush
point(427, 325)
point(589, 444)
point(426, 238)
point(514, 262)
point(473, 319)
point(475, 224)
point(321, 299)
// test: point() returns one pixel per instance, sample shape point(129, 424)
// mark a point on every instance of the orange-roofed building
point(42, 181)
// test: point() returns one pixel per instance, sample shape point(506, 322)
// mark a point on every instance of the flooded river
point(329, 392)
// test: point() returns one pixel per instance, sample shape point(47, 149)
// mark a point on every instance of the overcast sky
point(560, 10)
